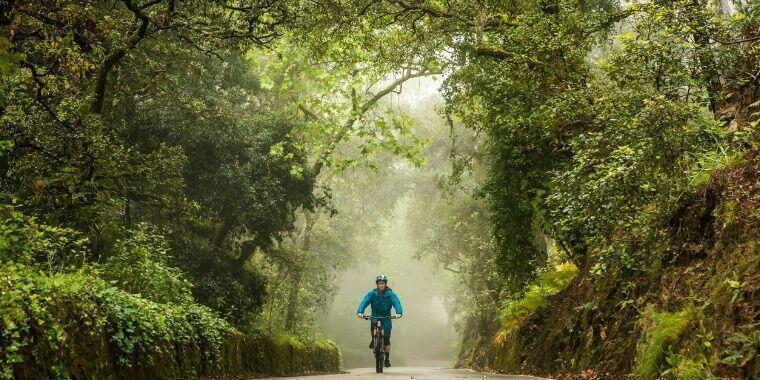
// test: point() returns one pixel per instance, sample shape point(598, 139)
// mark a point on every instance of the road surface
point(398, 373)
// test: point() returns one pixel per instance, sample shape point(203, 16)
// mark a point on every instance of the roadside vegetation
point(175, 178)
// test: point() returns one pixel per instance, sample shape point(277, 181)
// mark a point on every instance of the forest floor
point(397, 373)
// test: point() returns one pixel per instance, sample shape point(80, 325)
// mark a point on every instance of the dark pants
point(386, 340)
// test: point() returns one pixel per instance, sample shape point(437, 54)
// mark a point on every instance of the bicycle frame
point(378, 331)
point(378, 335)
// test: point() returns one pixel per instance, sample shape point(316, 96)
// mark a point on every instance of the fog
point(426, 334)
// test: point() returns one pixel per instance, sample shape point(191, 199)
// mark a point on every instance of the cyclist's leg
point(387, 328)
point(387, 345)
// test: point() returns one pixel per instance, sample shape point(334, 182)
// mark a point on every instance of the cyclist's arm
point(364, 303)
point(397, 304)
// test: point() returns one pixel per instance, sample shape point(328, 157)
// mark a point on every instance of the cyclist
point(382, 298)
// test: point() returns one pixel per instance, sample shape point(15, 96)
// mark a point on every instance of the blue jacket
point(381, 303)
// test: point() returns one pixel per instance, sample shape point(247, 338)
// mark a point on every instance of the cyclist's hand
point(398, 316)
point(360, 315)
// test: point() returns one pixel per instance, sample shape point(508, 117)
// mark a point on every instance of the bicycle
point(377, 340)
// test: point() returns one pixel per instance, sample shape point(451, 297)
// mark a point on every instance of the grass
point(662, 330)
point(711, 162)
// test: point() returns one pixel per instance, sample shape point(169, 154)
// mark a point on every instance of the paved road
point(427, 373)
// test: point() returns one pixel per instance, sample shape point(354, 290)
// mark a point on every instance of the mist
point(426, 335)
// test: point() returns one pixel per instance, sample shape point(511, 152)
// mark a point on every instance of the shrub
point(139, 266)
point(63, 306)
point(46, 312)
point(25, 241)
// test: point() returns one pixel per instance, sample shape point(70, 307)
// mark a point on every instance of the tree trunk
point(310, 218)
point(295, 286)
point(710, 76)
point(127, 213)
point(224, 230)
point(725, 7)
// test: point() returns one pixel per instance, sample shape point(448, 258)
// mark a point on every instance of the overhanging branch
point(359, 110)
point(113, 59)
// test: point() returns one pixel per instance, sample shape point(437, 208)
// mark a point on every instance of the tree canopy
point(217, 152)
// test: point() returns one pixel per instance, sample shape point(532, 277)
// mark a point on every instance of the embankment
point(692, 315)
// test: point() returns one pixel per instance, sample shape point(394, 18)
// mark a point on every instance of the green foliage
point(521, 84)
point(77, 324)
point(8, 59)
point(686, 369)
point(119, 120)
point(742, 349)
point(548, 283)
point(711, 161)
point(139, 326)
point(139, 266)
point(661, 330)
point(341, 106)
point(23, 240)
point(52, 324)
point(119, 115)
point(35, 303)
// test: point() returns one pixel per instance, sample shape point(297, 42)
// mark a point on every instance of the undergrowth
point(661, 331)
point(137, 328)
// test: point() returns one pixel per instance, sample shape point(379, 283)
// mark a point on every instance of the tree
point(340, 104)
point(111, 127)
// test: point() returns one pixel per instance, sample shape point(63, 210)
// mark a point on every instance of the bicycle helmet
point(381, 277)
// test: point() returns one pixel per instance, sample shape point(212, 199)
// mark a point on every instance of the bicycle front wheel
point(379, 356)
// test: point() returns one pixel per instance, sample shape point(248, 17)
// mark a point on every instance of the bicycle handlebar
point(385, 317)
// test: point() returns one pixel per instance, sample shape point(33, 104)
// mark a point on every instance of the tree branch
point(41, 98)
point(734, 42)
point(308, 112)
point(497, 52)
point(358, 112)
point(200, 48)
point(112, 60)
point(421, 8)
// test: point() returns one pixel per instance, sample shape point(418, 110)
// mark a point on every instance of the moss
point(508, 354)
point(505, 351)
point(661, 330)
point(548, 284)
